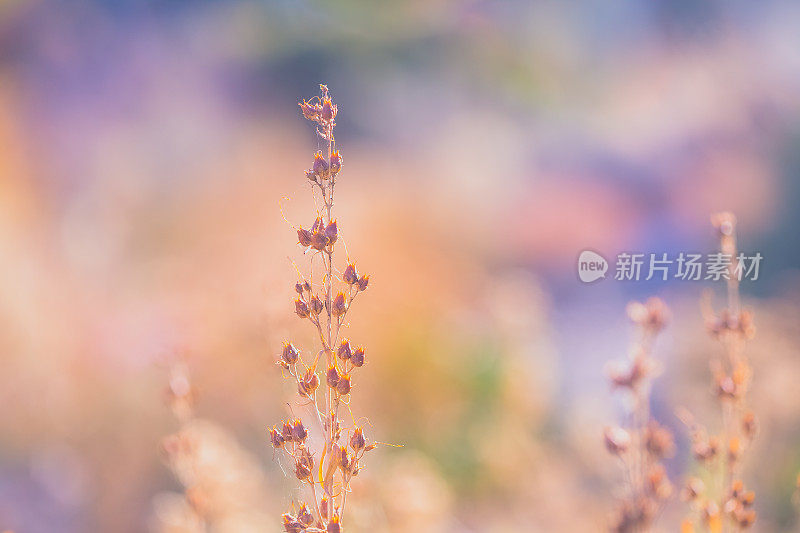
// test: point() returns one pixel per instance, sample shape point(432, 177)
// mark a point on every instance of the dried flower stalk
point(328, 471)
point(728, 507)
point(642, 443)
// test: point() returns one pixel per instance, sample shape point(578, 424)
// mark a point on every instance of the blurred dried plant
point(641, 443)
point(726, 505)
point(223, 485)
point(328, 471)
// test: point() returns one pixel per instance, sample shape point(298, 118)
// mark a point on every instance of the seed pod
point(363, 282)
point(298, 288)
point(324, 510)
point(316, 305)
point(301, 308)
point(320, 166)
point(308, 384)
point(287, 431)
point(332, 232)
point(304, 515)
point(332, 377)
point(304, 463)
point(304, 237)
point(694, 488)
point(319, 225)
point(299, 432)
point(336, 163)
point(333, 526)
point(310, 111)
point(617, 440)
point(357, 440)
point(343, 459)
point(345, 350)
point(358, 357)
point(275, 438)
point(734, 449)
point(329, 110)
point(319, 240)
point(749, 426)
point(343, 386)
point(339, 306)
point(658, 440)
point(301, 470)
point(350, 275)
point(291, 524)
point(289, 354)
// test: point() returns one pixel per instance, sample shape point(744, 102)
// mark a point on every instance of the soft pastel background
point(150, 150)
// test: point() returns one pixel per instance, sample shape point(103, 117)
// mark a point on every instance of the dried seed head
point(304, 237)
point(726, 388)
point(324, 508)
point(329, 110)
point(319, 240)
point(308, 384)
point(651, 315)
point(299, 432)
point(693, 489)
point(749, 426)
point(291, 524)
point(345, 350)
point(336, 162)
point(658, 485)
point(304, 462)
point(357, 440)
point(659, 441)
point(711, 516)
point(343, 385)
point(724, 223)
point(298, 288)
point(286, 431)
point(626, 374)
point(307, 286)
point(275, 437)
point(316, 305)
point(304, 515)
point(734, 449)
point(340, 456)
point(332, 232)
point(363, 282)
point(320, 167)
point(301, 470)
point(358, 357)
point(332, 377)
point(318, 225)
point(333, 526)
point(705, 450)
point(310, 111)
point(290, 354)
point(350, 275)
point(745, 518)
point(301, 308)
point(617, 440)
point(339, 306)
